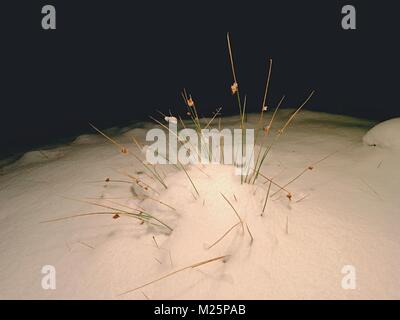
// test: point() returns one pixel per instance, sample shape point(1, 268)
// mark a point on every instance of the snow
point(385, 134)
point(87, 139)
point(343, 212)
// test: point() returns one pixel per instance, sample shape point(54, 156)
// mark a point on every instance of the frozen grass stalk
point(175, 272)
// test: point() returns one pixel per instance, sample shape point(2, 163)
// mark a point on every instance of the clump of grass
point(250, 177)
point(124, 150)
point(179, 163)
point(264, 108)
point(266, 130)
point(279, 134)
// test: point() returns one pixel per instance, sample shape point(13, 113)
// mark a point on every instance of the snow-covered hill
point(343, 212)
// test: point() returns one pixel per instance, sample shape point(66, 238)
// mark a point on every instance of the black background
point(99, 309)
point(112, 62)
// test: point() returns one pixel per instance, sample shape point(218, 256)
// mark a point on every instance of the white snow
point(385, 134)
point(343, 212)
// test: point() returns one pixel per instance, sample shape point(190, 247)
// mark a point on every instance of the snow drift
point(385, 134)
point(343, 212)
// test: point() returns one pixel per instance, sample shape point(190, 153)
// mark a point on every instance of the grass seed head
point(234, 88)
point(266, 129)
point(190, 102)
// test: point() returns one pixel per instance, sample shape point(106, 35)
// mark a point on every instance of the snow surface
point(343, 212)
point(385, 134)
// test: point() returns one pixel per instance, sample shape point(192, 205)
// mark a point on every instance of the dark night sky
point(110, 62)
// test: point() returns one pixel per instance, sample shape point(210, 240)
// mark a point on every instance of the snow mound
point(342, 213)
point(38, 156)
point(137, 133)
point(87, 139)
point(385, 134)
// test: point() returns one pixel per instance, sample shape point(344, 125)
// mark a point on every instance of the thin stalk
point(212, 119)
point(310, 167)
point(224, 235)
point(266, 198)
point(142, 218)
point(140, 214)
point(248, 178)
point(237, 95)
point(175, 272)
point(275, 184)
point(125, 151)
point(237, 214)
point(163, 203)
point(191, 181)
point(251, 236)
point(279, 133)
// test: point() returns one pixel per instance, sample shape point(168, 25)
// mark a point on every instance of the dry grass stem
point(175, 272)
point(266, 198)
point(223, 236)
point(251, 236)
point(237, 214)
